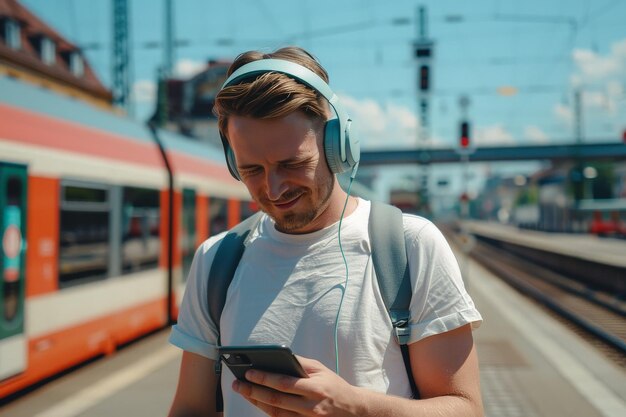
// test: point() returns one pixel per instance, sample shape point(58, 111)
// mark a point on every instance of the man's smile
point(287, 204)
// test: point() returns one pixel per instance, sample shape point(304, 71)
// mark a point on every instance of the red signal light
point(464, 135)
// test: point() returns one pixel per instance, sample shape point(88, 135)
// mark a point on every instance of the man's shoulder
point(420, 229)
point(213, 240)
point(210, 245)
point(415, 224)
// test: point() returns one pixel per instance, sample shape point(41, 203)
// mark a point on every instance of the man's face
point(282, 164)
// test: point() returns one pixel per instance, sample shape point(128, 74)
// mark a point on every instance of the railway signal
point(423, 48)
point(424, 78)
point(423, 54)
point(464, 135)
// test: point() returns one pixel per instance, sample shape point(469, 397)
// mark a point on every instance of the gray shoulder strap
point(386, 231)
point(225, 263)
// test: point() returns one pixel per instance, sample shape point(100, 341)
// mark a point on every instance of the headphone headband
point(298, 72)
point(342, 151)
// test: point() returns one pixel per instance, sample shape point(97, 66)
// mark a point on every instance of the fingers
point(278, 382)
point(310, 366)
point(272, 402)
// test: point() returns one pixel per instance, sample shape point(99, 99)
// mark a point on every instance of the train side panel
point(76, 305)
point(96, 228)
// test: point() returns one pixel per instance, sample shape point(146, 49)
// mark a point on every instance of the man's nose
point(276, 185)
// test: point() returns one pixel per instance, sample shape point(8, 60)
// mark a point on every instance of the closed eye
point(248, 171)
point(297, 163)
point(294, 165)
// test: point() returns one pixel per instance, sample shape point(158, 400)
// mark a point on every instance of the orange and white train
point(99, 220)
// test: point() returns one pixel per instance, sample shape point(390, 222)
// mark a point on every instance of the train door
point(13, 351)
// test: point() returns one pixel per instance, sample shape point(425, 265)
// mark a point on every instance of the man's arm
point(445, 368)
point(195, 395)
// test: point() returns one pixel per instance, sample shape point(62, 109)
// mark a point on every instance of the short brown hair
point(271, 94)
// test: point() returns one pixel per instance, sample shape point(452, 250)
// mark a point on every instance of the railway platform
point(531, 366)
point(601, 250)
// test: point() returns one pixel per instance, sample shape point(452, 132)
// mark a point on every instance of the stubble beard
point(293, 221)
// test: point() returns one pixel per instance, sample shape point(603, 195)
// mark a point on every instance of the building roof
point(27, 57)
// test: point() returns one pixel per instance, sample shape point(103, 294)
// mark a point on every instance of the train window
point(141, 217)
point(83, 194)
point(188, 238)
point(218, 215)
point(84, 234)
point(14, 191)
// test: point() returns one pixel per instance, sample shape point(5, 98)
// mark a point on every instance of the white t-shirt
point(287, 290)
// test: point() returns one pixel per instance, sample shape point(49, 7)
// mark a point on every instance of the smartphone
point(271, 358)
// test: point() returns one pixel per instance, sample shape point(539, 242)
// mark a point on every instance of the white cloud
point(601, 77)
point(144, 91)
point(402, 117)
point(599, 99)
point(391, 126)
point(187, 68)
point(535, 134)
point(492, 135)
point(595, 67)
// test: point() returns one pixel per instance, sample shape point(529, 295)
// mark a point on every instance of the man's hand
point(445, 368)
point(323, 393)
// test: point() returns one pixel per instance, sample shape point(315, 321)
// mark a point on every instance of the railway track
point(597, 316)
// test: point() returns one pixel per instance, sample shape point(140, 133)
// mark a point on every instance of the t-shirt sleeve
point(195, 331)
point(440, 302)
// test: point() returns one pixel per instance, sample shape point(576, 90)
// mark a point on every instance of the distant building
point(500, 196)
point(407, 201)
point(620, 180)
point(33, 52)
point(186, 106)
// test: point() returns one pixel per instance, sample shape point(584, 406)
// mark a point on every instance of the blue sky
point(543, 48)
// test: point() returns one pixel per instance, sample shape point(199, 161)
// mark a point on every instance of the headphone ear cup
point(232, 164)
point(332, 146)
point(230, 158)
point(353, 147)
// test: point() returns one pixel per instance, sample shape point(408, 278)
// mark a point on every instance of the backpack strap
point(224, 265)
point(386, 231)
point(221, 274)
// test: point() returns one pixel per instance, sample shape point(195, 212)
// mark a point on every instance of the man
point(306, 273)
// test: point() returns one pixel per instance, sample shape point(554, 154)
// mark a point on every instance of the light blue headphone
point(341, 147)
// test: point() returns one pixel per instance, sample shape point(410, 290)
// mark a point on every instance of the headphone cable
point(345, 285)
